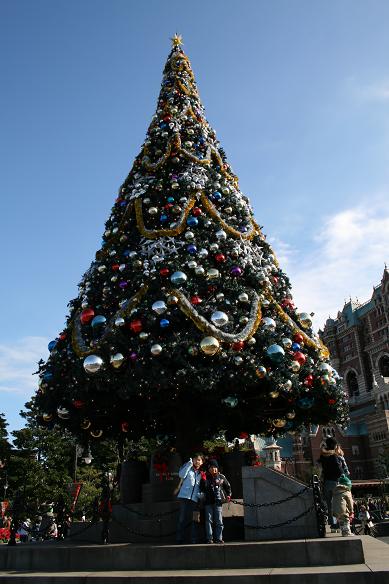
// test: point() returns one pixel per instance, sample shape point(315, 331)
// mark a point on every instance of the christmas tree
point(185, 324)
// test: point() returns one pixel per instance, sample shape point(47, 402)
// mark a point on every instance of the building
point(358, 340)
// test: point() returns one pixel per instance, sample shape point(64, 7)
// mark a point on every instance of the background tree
point(43, 464)
point(5, 452)
point(185, 322)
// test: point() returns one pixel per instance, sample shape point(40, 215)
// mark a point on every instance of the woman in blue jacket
point(189, 496)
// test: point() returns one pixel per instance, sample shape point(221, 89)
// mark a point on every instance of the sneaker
point(219, 541)
point(333, 529)
point(209, 541)
point(348, 534)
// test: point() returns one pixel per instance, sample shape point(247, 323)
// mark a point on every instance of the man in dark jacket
point(332, 469)
point(217, 490)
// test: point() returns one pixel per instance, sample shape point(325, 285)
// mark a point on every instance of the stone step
point(57, 556)
point(355, 573)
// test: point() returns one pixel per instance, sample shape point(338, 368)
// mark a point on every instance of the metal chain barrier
point(137, 533)
point(287, 522)
point(152, 515)
point(321, 513)
point(272, 503)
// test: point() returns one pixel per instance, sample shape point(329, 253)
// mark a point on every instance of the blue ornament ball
point(164, 323)
point(192, 249)
point(163, 218)
point(296, 346)
point(192, 221)
point(217, 196)
point(51, 346)
point(276, 353)
point(98, 320)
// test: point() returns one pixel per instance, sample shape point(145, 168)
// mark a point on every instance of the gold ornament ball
point(96, 433)
point(291, 415)
point(212, 274)
point(305, 320)
point(279, 423)
point(274, 394)
point(47, 417)
point(260, 372)
point(209, 345)
point(295, 366)
point(171, 300)
point(117, 360)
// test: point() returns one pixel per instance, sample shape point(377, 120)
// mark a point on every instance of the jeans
point(328, 489)
point(186, 523)
point(214, 522)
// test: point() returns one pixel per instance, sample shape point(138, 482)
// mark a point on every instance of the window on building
point(352, 383)
point(358, 472)
point(355, 449)
point(383, 365)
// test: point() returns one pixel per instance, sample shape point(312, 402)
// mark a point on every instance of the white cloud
point(377, 91)
point(18, 361)
point(346, 259)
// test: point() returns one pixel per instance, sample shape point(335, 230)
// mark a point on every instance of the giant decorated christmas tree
point(185, 324)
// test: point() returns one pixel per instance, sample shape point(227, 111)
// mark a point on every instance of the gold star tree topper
point(176, 40)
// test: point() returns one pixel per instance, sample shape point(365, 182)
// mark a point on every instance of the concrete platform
point(322, 562)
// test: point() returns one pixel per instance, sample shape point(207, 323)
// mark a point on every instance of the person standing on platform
point(333, 467)
point(343, 504)
point(217, 491)
point(189, 496)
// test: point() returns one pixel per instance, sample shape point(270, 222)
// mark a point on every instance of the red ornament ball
point(136, 325)
point(238, 346)
point(62, 336)
point(78, 403)
point(164, 272)
point(124, 426)
point(298, 338)
point(220, 258)
point(87, 315)
point(287, 303)
point(196, 211)
point(308, 381)
point(196, 300)
point(115, 267)
point(299, 357)
point(332, 401)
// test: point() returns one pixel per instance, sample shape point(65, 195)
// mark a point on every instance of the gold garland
point(152, 166)
point(79, 347)
point(100, 254)
point(234, 179)
point(154, 233)
point(184, 65)
point(206, 327)
point(231, 230)
point(295, 329)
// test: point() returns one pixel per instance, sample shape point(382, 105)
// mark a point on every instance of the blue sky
point(297, 91)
